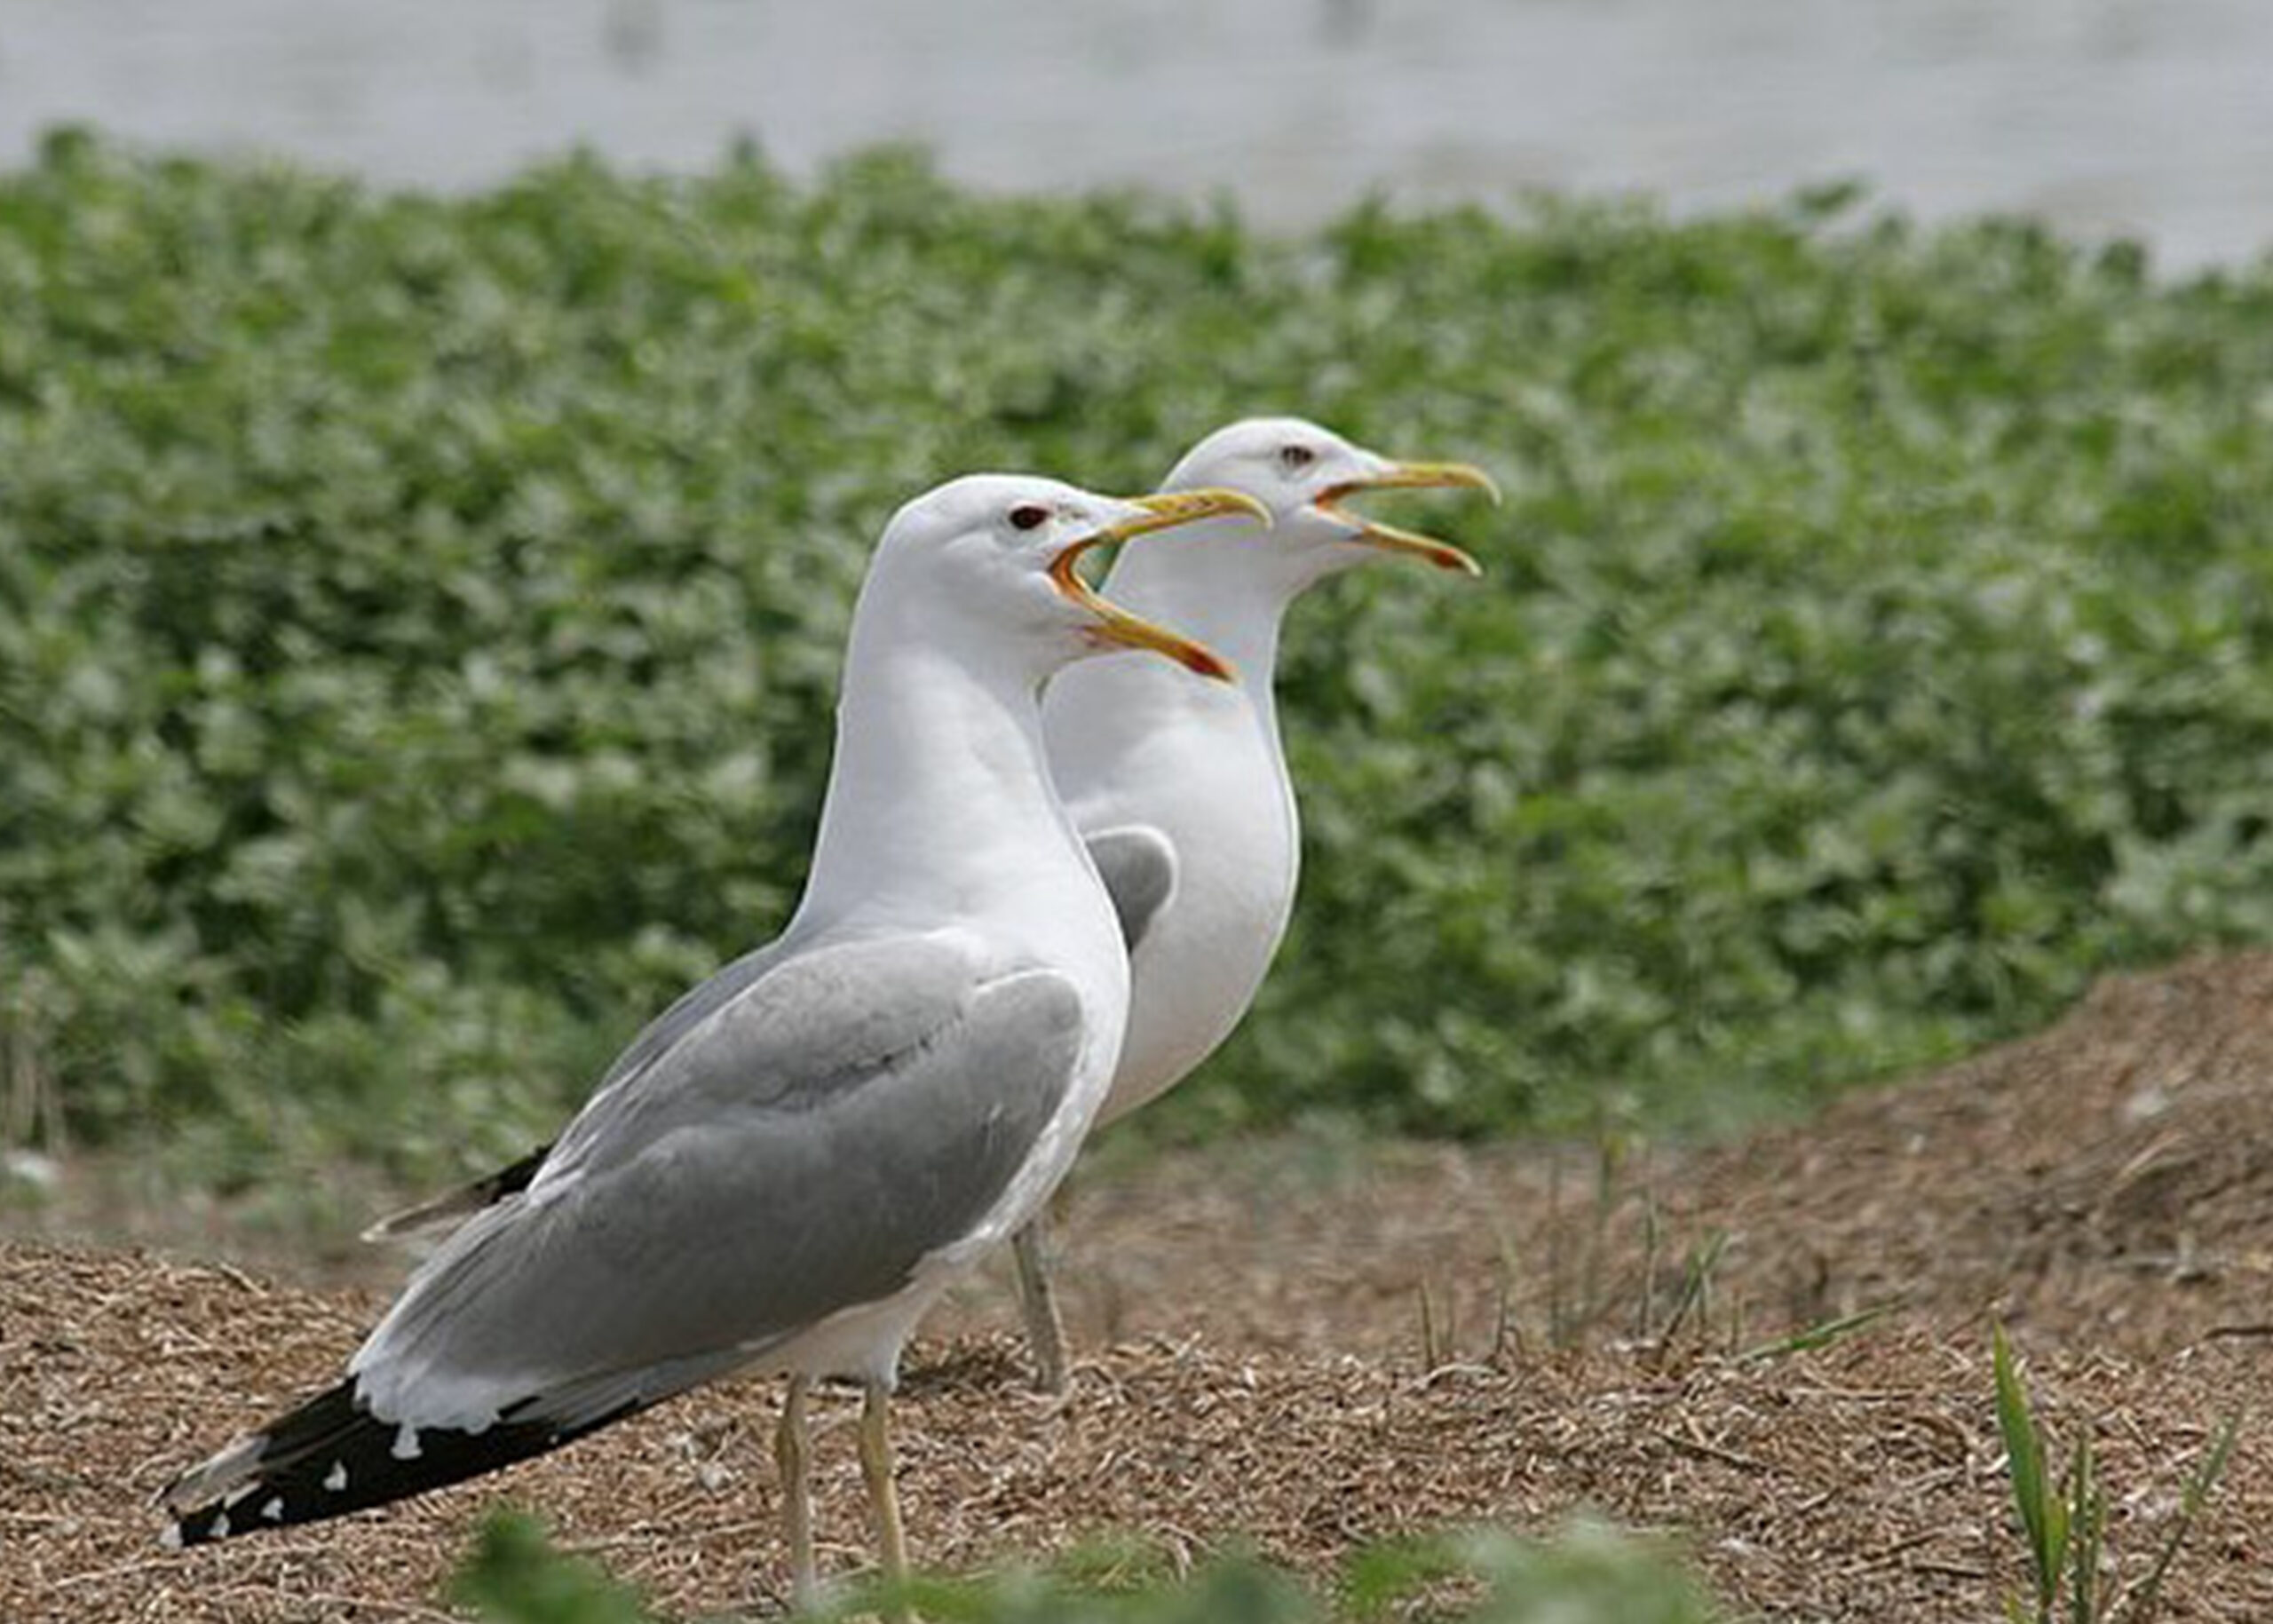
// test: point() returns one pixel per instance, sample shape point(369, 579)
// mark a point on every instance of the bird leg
point(793, 1457)
point(875, 1464)
point(1045, 1328)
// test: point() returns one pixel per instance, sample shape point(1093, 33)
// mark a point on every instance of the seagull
point(1180, 790)
point(786, 1168)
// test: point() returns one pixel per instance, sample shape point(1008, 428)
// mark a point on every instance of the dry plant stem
point(1038, 1298)
point(793, 1457)
point(875, 1465)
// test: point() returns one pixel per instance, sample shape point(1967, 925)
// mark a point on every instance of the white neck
point(1209, 584)
point(1136, 741)
point(939, 802)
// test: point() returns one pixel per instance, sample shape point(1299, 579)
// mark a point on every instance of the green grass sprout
point(2064, 1522)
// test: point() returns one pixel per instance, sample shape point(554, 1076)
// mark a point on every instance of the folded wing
point(798, 1148)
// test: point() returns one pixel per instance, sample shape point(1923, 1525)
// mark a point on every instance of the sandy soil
point(1314, 1343)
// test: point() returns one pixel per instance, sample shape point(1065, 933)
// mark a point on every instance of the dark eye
point(1294, 459)
point(1029, 516)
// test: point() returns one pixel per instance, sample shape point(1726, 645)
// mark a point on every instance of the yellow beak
point(1116, 624)
point(1410, 476)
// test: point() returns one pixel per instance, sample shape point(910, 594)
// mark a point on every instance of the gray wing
point(1136, 863)
point(693, 1006)
point(1139, 868)
point(655, 1039)
point(799, 1150)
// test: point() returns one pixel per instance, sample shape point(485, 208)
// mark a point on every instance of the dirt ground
point(1313, 1344)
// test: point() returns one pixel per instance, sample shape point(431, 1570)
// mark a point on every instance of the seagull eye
point(1028, 516)
point(1294, 459)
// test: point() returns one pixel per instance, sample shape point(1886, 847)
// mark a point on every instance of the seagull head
point(997, 554)
point(1303, 474)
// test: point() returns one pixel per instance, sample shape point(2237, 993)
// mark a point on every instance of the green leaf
point(2043, 1517)
point(516, 1576)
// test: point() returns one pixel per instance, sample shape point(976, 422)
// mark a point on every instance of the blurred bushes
point(1588, 1574)
point(419, 618)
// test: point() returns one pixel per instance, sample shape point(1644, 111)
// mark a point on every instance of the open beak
point(1409, 476)
point(1114, 623)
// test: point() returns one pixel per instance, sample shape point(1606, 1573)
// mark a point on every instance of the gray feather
point(1136, 863)
point(655, 1039)
point(798, 1149)
point(692, 1007)
point(1139, 868)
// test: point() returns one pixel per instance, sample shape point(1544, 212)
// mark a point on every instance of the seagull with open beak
point(1181, 789)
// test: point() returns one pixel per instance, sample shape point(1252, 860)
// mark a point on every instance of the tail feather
point(462, 1202)
point(331, 1456)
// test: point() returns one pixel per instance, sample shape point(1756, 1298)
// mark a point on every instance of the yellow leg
point(793, 1455)
point(1045, 1329)
point(875, 1464)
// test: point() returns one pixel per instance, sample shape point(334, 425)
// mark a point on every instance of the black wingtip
point(331, 1456)
point(463, 1202)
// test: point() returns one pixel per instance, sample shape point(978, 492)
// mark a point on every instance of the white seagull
point(1180, 789)
point(786, 1168)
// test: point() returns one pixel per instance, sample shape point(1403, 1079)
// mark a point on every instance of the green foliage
point(419, 620)
point(1587, 1575)
point(517, 1576)
point(2063, 1524)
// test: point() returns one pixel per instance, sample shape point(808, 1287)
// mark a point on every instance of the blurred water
point(2151, 118)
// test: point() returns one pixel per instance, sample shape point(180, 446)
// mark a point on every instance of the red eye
point(1029, 516)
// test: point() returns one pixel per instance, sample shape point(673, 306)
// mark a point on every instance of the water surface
point(2151, 118)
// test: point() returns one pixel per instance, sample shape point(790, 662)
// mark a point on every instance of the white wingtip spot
point(405, 1443)
point(272, 1511)
point(221, 1527)
point(335, 1479)
point(170, 1537)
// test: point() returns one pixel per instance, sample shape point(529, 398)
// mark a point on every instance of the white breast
point(1198, 763)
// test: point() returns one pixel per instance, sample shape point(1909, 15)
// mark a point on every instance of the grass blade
point(2043, 1519)
point(2139, 1605)
point(2088, 1525)
point(1820, 1335)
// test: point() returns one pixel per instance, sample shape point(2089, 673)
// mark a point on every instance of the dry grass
point(2108, 1184)
point(1257, 1363)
